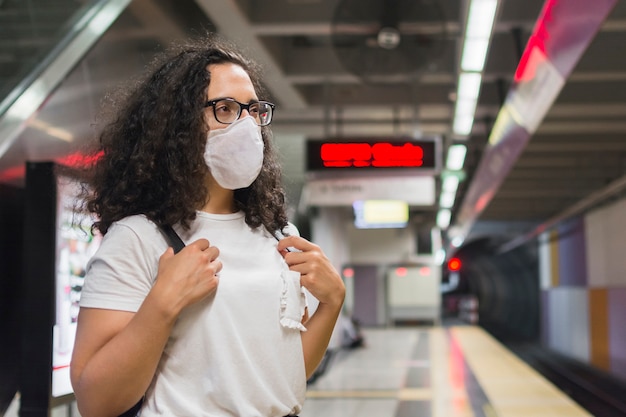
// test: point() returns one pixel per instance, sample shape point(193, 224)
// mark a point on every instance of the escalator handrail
point(84, 29)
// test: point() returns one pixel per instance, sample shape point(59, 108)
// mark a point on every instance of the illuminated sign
point(375, 214)
point(372, 154)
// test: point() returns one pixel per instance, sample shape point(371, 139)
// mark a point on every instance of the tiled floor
point(433, 372)
point(456, 371)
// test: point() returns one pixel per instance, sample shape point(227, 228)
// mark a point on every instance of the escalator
point(40, 42)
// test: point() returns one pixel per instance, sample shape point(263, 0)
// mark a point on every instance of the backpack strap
point(134, 410)
point(177, 244)
point(172, 238)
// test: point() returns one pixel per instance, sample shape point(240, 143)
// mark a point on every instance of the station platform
point(456, 371)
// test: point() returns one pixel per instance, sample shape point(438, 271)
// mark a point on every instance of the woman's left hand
point(317, 274)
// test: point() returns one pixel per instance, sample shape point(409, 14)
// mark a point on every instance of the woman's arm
point(115, 356)
point(116, 352)
point(319, 331)
point(322, 280)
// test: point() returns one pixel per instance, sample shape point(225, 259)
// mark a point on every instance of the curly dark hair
point(151, 151)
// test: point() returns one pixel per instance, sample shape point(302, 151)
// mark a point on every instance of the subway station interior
point(461, 162)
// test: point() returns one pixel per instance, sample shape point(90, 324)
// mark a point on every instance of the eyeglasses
point(228, 110)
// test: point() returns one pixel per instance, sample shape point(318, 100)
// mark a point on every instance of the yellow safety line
point(406, 394)
point(489, 411)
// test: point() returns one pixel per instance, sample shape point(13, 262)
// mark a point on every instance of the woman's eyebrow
point(254, 100)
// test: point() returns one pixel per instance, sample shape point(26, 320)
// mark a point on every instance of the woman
point(218, 329)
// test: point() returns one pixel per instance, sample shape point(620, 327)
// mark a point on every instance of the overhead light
point(457, 241)
point(464, 115)
point(480, 18)
point(440, 256)
point(469, 85)
point(463, 125)
point(443, 218)
point(450, 183)
point(456, 157)
point(465, 107)
point(446, 199)
point(474, 54)
point(477, 34)
point(467, 99)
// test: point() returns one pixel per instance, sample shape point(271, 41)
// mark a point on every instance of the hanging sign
point(371, 154)
point(418, 190)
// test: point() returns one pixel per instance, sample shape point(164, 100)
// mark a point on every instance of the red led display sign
point(370, 154)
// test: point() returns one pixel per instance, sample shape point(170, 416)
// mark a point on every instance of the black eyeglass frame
point(242, 107)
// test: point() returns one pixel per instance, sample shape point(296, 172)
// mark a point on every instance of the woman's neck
point(221, 200)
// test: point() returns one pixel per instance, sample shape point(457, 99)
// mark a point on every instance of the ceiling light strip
point(561, 35)
point(456, 157)
point(480, 21)
point(478, 32)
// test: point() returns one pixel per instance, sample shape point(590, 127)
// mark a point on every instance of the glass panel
point(29, 31)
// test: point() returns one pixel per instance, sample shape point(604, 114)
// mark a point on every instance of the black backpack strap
point(177, 244)
point(133, 411)
point(172, 238)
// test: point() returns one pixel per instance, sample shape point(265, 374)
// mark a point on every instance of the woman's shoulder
point(133, 236)
point(136, 220)
point(138, 225)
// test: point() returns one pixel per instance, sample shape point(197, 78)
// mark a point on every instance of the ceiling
point(577, 149)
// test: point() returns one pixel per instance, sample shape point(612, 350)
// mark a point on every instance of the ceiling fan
point(382, 38)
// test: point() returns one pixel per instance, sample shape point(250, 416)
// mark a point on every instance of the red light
point(382, 154)
point(345, 154)
point(535, 53)
point(388, 155)
point(13, 173)
point(79, 160)
point(401, 272)
point(454, 264)
point(348, 272)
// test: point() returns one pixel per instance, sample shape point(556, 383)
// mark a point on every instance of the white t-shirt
point(237, 353)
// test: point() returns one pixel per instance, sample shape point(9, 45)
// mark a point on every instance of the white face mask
point(234, 154)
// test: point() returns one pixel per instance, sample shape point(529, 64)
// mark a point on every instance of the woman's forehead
point(230, 80)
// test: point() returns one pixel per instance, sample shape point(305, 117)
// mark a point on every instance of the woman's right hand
point(188, 276)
